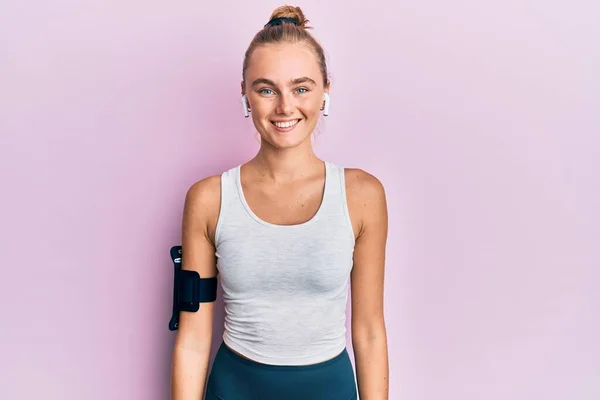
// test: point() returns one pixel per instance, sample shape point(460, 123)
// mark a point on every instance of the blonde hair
point(287, 32)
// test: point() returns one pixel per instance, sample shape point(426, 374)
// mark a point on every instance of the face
point(284, 87)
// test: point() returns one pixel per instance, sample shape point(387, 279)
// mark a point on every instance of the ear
point(326, 89)
point(246, 102)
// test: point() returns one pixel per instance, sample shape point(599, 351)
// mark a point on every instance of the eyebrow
point(296, 81)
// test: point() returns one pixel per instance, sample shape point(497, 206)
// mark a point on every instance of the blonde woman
point(286, 232)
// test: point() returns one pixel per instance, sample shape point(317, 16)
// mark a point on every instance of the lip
point(287, 120)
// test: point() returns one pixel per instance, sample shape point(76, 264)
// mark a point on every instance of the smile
point(285, 124)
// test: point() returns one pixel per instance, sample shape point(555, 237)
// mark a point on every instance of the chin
point(290, 143)
point(283, 142)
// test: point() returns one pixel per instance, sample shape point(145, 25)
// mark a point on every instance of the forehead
point(283, 62)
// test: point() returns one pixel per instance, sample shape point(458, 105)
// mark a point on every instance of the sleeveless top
point(285, 287)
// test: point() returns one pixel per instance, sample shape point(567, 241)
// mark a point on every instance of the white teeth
point(287, 124)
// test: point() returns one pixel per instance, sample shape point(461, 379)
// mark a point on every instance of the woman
point(286, 232)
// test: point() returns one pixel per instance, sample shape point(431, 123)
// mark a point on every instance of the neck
point(284, 165)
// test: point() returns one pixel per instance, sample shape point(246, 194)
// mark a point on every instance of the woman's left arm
point(368, 207)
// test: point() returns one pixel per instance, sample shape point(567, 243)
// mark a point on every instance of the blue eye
point(304, 90)
point(263, 91)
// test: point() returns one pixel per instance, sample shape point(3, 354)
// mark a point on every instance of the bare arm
point(194, 335)
point(368, 207)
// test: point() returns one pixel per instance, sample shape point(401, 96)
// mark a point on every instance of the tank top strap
point(230, 201)
point(334, 198)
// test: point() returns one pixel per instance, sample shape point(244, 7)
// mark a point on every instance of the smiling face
point(285, 91)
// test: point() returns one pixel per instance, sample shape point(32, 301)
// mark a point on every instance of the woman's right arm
point(191, 351)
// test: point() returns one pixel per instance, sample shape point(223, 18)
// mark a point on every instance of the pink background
point(481, 118)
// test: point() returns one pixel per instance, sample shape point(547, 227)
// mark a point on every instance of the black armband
point(189, 289)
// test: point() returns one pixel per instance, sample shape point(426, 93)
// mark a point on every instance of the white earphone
point(245, 105)
point(325, 107)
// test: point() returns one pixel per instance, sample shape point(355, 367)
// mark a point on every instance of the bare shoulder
point(366, 198)
point(205, 191)
point(362, 184)
point(202, 204)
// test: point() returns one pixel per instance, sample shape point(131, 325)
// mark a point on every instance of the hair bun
point(291, 12)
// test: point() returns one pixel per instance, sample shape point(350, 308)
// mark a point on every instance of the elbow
point(369, 332)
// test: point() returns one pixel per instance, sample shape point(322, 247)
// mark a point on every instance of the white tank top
point(285, 287)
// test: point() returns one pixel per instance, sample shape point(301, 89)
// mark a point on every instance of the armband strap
point(189, 290)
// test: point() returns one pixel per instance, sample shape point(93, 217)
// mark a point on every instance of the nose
point(285, 105)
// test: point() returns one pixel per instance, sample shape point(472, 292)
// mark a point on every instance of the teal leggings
point(236, 378)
